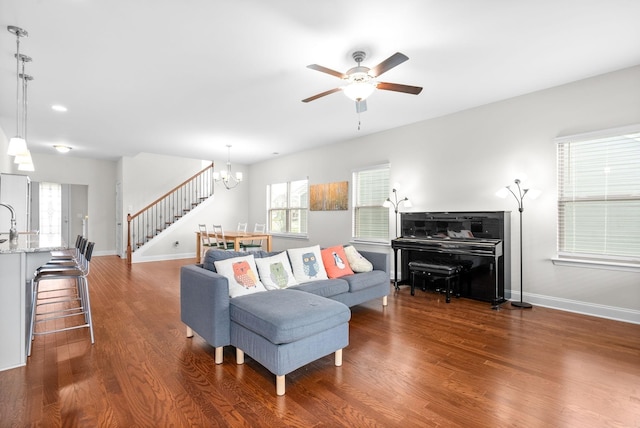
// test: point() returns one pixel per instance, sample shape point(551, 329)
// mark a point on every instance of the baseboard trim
point(584, 308)
point(159, 258)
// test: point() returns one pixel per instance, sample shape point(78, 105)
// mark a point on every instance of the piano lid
point(472, 246)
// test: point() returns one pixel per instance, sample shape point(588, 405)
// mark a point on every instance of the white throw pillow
point(275, 271)
point(307, 264)
point(242, 275)
point(356, 260)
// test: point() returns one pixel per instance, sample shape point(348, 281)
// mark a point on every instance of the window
point(599, 196)
point(50, 215)
point(288, 207)
point(370, 190)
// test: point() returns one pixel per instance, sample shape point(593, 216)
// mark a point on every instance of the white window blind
point(288, 207)
point(370, 218)
point(599, 196)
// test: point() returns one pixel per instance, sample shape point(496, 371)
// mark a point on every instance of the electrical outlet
point(176, 243)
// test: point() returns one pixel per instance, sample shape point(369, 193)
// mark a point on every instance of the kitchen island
point(18, 262)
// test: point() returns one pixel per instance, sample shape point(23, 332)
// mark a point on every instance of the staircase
point(144, 225)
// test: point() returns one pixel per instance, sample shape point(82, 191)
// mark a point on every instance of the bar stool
point(73, 300)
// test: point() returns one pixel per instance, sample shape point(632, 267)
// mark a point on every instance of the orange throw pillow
point(335, 262)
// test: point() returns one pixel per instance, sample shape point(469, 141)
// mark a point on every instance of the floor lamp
point(395, 203)
point(519, 195)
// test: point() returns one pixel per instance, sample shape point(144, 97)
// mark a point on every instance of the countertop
point(31, 243)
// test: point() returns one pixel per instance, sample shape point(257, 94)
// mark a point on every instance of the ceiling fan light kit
point(360, 81)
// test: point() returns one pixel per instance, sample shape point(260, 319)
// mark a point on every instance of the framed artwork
point(329, 196)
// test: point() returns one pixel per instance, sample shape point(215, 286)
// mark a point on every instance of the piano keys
point(477, 241)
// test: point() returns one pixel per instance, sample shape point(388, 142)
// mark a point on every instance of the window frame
point(288, 210)
point(356, 205)
point(571, 256)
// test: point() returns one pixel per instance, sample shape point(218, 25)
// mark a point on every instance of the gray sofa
point(204, 294)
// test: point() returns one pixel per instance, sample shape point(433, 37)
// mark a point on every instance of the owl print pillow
point(335, 262)
point(242, 275)
point(275, 271)
point(307, 264)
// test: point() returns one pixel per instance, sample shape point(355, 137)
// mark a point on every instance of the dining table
point(236, 237)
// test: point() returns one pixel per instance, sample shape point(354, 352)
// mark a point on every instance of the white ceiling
point(189, 77)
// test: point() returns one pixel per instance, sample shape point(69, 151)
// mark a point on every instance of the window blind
point(599, 196)
point(370, 218)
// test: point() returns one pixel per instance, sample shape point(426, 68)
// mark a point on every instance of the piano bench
point(433, 272)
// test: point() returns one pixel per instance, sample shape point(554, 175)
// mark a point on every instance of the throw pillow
point(307, 264)
point(356, 260)
point(335, 262)
point(275, 271)
point(242, 275)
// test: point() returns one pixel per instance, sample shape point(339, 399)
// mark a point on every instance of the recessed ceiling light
point(61, 148)
point(58, 107)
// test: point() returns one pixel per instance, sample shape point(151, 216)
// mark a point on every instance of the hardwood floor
point(418, 362)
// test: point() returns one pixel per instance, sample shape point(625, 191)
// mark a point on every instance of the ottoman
point(285, 329)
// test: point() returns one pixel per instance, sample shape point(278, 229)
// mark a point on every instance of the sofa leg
point(218, 354)
point(240, 356)
point(189, 332)
point(338, 357)
point(384, 301)
point(280, 385)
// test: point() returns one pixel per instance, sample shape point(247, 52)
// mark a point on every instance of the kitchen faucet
point(13, 232)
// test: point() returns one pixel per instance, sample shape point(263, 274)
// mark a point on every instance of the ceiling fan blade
point(415, 90)
point(361, 106)
point(386, 65)
point(327, 70)
point(322, 94)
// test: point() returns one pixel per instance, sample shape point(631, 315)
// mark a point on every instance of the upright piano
point(477, 241)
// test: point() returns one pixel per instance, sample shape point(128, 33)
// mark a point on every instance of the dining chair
point(221, 241)
point(205, 240)
point(242, 227)
point(256, 244)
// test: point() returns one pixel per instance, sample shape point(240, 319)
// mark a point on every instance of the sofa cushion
point(363, 280)
point(242, 275)
point(275, 271)
point(324, 287)
point(285, 316)
point(335, 262)
point(307, 263)
point(356, 260)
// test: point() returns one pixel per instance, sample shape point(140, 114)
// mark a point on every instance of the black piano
point(479, 242)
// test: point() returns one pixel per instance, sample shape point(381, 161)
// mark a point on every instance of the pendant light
point(17, 144)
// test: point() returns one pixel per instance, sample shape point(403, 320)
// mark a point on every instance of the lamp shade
point(17, 146)
point(23, 158)
point(26, 167)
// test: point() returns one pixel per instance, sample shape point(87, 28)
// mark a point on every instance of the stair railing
point(167, 209)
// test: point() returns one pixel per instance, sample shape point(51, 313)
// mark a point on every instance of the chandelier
point(227, 178)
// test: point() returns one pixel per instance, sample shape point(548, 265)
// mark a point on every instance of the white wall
point(457, 162)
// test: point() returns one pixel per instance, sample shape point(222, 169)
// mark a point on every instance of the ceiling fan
point(360, 81)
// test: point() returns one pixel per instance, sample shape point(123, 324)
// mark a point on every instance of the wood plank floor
point(418, 362)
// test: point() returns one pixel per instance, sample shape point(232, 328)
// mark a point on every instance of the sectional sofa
point(205, 292)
